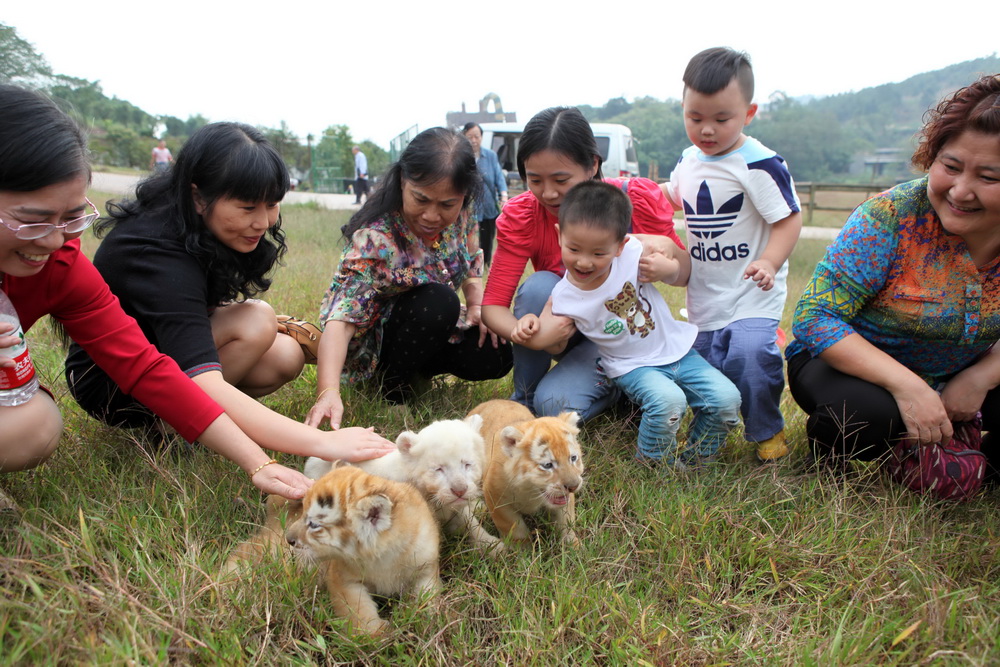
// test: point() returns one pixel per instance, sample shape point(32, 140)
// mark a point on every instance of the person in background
point(44, 174)
point(895, 334)
point(186, 258)
point(392, 313)
point(743, 220)
point(161, 158)
point(556, 151)
point(360, 175)
point(494, 194)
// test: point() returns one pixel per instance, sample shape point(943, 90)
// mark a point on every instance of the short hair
point(597, 204)
point(975, 107)
point(563, 130)
point(471, 125)
point(40, 145)
point(713, 69)
point(435, 154)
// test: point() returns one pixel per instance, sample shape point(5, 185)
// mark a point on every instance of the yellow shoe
point(773, 448)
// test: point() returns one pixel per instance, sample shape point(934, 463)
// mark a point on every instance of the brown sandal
point(305, 334)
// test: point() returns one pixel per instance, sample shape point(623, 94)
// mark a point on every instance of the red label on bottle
point(22, 372)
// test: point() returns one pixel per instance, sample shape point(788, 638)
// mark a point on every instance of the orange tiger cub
point(366, 535)
point(532, 466)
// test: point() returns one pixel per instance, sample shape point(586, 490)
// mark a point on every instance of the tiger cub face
point(368, 535)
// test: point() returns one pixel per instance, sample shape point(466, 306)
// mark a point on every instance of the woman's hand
point(7, 341)
point(558, 327)
point(354, 444)
point(285, 482)
point(964, 395)
point(474, 318)
point(924, 413)
point(328, 406)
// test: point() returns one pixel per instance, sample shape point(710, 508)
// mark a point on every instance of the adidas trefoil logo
point(704, 221)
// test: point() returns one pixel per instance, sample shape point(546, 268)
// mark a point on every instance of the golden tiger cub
point(444, 460)
point(532, 466)
point(366, 534)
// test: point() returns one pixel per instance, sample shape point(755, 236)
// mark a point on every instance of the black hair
point(39, 144)
point(435, 154)
point(563, 130)
point(471, 124)
point(224, 161)
point(597, 204)
point(711, 70)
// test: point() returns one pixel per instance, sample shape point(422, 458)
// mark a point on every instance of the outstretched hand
point(328, 406)
point(282, 481)
point(354, 444)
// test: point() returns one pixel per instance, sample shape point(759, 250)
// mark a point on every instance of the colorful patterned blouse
point(897, 278)
point(380, 262)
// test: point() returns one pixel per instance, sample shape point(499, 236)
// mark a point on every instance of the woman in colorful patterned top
point(392, 311)
point(895, 333)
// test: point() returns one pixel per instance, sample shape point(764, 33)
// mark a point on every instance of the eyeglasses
point(30, 232)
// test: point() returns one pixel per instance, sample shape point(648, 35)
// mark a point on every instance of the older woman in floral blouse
point(392, 311)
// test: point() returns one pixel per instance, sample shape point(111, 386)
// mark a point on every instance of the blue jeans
point(746, 351)
point(664, 393)
point(576, 383)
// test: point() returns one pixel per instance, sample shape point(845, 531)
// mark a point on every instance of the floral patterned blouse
point(381, 261)
point(895, 276)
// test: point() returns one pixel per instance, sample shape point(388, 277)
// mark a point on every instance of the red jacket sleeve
point(651, 211)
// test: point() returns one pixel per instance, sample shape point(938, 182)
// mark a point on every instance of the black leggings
point(415, 344)
point(487, 233)
point(857, 419)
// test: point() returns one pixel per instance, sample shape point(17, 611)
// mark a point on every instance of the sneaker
point(773, 448)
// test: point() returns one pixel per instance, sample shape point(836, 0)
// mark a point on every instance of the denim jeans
point(576, 383)
point(664, 393)
point(746, 351)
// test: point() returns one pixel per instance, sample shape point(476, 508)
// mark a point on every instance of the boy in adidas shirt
point(743, 219)
point(608, 294)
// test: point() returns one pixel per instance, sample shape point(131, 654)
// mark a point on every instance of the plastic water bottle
point(17, 384)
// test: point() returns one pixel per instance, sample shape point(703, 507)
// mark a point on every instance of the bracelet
point(262, 466)
point(320, 394)
point(478, 280)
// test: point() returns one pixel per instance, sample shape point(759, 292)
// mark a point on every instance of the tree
point(19, 62)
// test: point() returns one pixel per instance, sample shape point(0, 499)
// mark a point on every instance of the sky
point(382, 66)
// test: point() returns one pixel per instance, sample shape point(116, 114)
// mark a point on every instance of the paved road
point(120, 184)
point(123, 184)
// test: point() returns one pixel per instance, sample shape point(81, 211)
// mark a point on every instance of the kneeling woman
point(392, 310)
point(185, 258)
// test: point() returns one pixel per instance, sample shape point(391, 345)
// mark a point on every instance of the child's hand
point(525, 328)
point(761, 271)
point(658, 267)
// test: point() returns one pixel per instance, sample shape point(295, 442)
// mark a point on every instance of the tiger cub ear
point(406, 440)
point(509, 437)
point(571, 418)
point(372, 515)
point(475, 422)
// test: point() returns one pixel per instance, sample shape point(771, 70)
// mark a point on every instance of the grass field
point(114, 559)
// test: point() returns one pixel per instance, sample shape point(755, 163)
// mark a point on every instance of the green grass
point(114, 558)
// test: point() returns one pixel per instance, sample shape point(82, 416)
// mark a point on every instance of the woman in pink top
point(557, 150)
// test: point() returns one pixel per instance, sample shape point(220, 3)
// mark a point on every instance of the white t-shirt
point(629, 321)
point(730, 203)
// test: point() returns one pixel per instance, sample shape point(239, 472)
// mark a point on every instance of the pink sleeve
point(651, 211)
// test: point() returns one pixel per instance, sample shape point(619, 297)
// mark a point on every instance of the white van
point(613, 141)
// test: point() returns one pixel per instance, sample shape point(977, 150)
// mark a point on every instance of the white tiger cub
point(445, 462)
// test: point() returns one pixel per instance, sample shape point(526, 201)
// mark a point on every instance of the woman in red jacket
point(557, 150)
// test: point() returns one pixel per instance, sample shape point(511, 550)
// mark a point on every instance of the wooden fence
point(837, 197)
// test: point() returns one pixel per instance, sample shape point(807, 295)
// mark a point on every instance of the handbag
point(951, 471)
